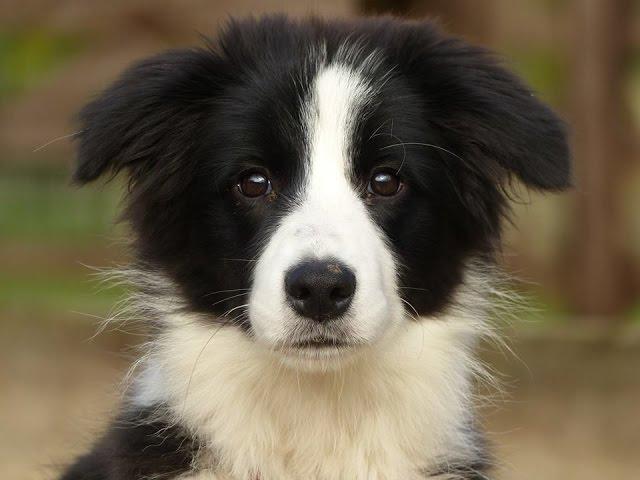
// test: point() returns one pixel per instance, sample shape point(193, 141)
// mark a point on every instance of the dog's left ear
point(479, 106)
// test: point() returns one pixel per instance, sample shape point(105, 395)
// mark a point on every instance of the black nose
point(320, 289)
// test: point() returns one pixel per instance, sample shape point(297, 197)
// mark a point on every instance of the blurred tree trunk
point(600, 277)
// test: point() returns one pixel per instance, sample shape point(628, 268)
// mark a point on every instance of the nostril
point(301, 293)
point(341, 292)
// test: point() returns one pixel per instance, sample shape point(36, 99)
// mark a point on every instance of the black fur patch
point(137, 446)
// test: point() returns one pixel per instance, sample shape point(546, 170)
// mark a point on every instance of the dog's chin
point(324, 359)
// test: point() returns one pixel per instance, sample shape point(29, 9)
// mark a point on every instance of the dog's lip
point(317, 343)
point(320, 342)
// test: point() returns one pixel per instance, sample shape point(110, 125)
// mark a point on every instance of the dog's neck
point(396, 410)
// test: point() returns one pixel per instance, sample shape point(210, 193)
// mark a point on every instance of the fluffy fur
point(224, 389)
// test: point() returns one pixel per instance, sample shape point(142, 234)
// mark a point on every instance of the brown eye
point(384, 183)
point(254, 184)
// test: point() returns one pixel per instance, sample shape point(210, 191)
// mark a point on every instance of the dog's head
point(316, 184)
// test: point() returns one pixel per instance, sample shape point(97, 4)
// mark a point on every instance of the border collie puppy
point(316, 206)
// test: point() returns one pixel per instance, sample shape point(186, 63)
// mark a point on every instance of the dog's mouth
point(319, 351)
point(320, 343)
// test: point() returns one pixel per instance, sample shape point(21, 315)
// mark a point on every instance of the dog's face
point(317, 184)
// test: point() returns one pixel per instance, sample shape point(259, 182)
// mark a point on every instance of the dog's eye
point(384, 183)
point(254, 184)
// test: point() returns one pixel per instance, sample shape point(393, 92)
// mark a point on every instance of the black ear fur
point(147, 116)
point(493, 118)
point(507, 123)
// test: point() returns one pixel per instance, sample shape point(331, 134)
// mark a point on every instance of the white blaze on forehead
point(339, 96)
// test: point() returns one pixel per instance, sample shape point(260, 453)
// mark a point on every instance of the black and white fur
point(233, 383)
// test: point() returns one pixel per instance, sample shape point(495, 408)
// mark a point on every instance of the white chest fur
point(396, 409)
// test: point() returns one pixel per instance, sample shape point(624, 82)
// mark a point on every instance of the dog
point(316, 209)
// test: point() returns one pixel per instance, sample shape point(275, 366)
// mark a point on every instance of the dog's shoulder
point(139, 443)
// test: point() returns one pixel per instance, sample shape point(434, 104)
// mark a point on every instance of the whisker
point(414, 288)
point(229, 298)
point(37, 149)
point(234, 309)
point(377, 130)
point(228, 291)
point(401, 143)
point(417, 315)
point(238, 260)
point(418, 144)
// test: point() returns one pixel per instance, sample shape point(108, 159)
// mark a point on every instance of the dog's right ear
point(148, 116)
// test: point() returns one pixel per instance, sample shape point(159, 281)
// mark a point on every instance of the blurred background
point(571, 409)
